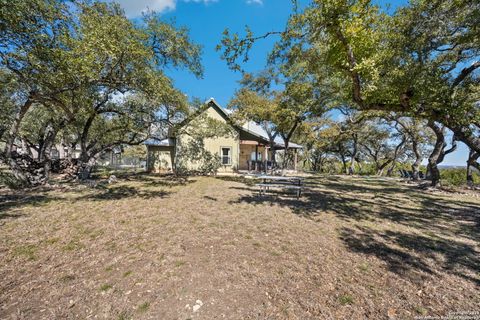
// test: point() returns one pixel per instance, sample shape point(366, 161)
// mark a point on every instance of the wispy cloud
point(134, 8)
point(259, 2)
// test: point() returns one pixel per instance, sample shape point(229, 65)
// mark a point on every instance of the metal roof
point(256, 129)
point(160, 143)
point(249, 127)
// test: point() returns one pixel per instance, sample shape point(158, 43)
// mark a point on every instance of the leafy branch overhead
point(95, 76)
point(421, 61)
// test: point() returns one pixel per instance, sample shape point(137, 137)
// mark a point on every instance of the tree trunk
point(417, 162)
point(381, 167)
point(438, 153)
point(471, 163)
point(391, 169)
point(44, 153)
point(428, 172)
point(286, 142)
point(272, 152)
point(344, 162)
point(466, 135)
point(433, 171)
point(359, 163)
point(434, 174)
point(17, 170)
point(351, 170)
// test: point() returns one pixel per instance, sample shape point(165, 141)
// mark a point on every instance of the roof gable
point(250, 130)
point(211, 103)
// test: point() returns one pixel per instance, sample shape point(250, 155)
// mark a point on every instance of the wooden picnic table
point(289, 183)
point(293, 180)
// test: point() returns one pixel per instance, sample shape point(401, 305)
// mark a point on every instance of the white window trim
point(229, 156)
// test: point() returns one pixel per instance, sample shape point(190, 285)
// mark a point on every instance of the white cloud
point(134, 8)
point(259, 2)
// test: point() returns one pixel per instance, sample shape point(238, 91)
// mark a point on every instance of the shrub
point(457, 176)
point(8, 179)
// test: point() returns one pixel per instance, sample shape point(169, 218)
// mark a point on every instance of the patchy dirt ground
point(210, 248)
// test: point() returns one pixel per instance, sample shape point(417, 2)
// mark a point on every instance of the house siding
point(160, 159)
point(212, 145)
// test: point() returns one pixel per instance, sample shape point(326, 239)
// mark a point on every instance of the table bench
point(264, 187)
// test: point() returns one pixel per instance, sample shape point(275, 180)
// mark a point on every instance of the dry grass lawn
point(210, 248)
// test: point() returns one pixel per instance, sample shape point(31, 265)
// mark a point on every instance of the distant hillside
point(448, 166)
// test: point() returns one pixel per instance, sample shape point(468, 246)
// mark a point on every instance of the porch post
point(296, 158)
point(256, 157)
point(265, 159)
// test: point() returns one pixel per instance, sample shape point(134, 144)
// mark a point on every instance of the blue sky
point(207, 19)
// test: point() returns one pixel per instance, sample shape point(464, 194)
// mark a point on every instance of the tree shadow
point(422, 233)
point(169, 181)
point(122, 192)
point(311, 203)
point(159, 180)
point(239, 179)
point(413, 255)
point(210, 198)
point(8, 202)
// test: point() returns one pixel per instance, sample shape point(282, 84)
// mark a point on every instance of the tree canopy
point(95, 77)
point(420, 61)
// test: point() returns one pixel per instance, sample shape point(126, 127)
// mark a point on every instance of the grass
point(351, 247)
point(106, 287)
point(73, 245)
point(364, 267)
point(124, 315)
point(67, 278)
point(179, 263)
point(144, 307)
point(345, 299)
point(27, 251)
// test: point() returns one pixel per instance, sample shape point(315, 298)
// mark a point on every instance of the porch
point(253, 156)
point(256, 156)
point(255, 153)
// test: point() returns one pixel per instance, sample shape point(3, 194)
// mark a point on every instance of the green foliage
point(420, 61)
point(139, 152)
point(9, 180)
point(172, 46)
point(210, 163)
point(191, 138)
point(84, 73)
point(457, 176)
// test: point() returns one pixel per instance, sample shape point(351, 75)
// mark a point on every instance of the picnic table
point(280, 182)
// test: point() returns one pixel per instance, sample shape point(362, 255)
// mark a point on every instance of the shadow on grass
point(312, 203)
point(387, 203)
point(123, 192)
point(156, 179)
point(409, 254)
point(13, 201)
point(210, 198)
point(246, 181)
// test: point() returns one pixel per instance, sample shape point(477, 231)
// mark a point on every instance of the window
point(55, 154)
point(226, 154)
point(259, 156)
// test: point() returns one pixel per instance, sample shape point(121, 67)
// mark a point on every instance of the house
point(246, 148)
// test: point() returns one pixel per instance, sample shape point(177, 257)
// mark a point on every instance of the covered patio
point(256, 154)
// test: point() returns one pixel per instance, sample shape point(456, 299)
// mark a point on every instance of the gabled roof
point(160, 143)
point(254, 129)
point(257, 130)
point(249, 129)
